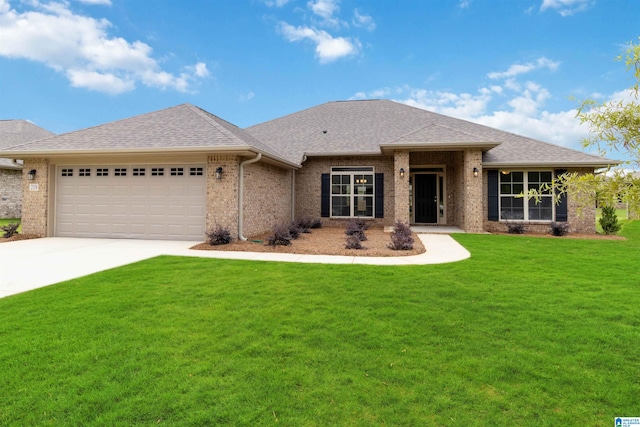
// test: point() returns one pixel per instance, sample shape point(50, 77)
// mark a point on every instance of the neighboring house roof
point(371, 126)
point(183, 128)
point(14, 132)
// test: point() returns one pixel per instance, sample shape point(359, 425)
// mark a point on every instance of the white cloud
point(247, 97)
point(324, 8)
point(276, 3)
point(464, 4)
point(363, 21)
point(517, 69)
point(328, 48)
point(100, 2)
point(80, 48)
point(566, 7)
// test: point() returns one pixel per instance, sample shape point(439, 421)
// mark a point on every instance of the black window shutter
point(561, 207)
point(325, 195)
point(379, 197)
point(492, 191)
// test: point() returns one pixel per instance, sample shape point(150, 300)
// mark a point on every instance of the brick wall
point(222, 194)
point(308, 185)
point(10, 193)
point(35, 203)
point(267, 197)
point(472, 220)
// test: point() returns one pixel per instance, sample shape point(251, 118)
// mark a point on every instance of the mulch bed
point(322, 241)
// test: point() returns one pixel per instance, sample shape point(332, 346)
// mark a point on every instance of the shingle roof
point(362, 127)
point(181, 127)
point(13, 132)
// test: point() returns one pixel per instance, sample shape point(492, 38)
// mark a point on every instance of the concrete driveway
point(31, 264)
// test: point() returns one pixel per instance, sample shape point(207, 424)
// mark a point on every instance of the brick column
point(401, 186)
point(473, 196)
point(35, 198)
point(222, 194)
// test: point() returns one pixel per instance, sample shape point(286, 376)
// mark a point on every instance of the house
point(14, 132)
point(175, 173)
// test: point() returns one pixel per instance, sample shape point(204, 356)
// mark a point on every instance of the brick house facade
point(379, 160)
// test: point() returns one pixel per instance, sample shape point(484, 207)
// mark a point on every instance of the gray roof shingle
point(181, 127)
point(13, 132)
point(362, 127)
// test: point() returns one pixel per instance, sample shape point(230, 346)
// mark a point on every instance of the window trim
point(352, 171)
point(526, 200)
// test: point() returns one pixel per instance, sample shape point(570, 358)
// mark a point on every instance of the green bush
point(10, 230)
point(609, 220)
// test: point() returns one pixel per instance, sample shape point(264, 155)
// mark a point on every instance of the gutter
point(241, 195)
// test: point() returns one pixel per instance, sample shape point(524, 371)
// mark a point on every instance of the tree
point(613, 126)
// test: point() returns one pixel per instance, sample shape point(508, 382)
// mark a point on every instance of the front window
point(352, 192)
point(515, 207)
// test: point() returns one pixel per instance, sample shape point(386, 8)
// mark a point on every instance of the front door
point(426, 198)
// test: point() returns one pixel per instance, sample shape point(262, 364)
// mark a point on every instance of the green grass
point(528, 332)
point(7, 221)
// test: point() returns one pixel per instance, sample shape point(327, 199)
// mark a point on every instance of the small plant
point(315, 223)
point(219, 236)
point(295, 230)
point(353, 242)
point(516, 228)
point(559, 228)
point(401, 237)
point(281, 236)
point(10, 230)
point(356, 227)
point(609, 220)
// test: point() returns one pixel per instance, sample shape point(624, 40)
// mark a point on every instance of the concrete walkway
point(31, 264)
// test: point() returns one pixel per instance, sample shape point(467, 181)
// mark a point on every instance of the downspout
point(293, 194)
point(241, 195)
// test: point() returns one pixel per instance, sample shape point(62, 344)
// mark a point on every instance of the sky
point(518, 65)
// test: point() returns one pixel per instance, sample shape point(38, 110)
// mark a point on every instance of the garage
point(161, 202)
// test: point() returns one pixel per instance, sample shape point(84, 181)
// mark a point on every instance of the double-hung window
point(352, 192)
point(513, 206)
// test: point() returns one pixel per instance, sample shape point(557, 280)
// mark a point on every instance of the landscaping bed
point(322, 241)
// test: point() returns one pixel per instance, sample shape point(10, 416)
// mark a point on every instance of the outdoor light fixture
point(475, 172)
point(219, 172)
point(401, 172)
point(31, 175)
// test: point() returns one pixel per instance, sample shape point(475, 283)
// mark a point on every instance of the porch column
point(401, 187)
point(472, 184)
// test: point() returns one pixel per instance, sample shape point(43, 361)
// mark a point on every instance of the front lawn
point(529, 331)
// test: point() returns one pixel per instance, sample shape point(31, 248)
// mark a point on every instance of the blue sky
point(514, 65)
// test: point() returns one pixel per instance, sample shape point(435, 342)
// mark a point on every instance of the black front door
point(426, 198)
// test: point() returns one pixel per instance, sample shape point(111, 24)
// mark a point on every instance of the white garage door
point(134, 202)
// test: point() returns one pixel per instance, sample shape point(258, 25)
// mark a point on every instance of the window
point(84, 172)
point(120, 172)
point(102, 172)
point(196, 171)
point(177, 171)
point(512, 206)
point(139, 171)
point(352, 192)
point(157, 171)
point(67, 172)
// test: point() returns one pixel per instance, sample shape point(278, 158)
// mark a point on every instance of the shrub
point(10, 230)
point(353, 242)
point(281, 236)
point(295, 230)
point(516, 228)
point(401, 237)
point(315, 223)
point(219, 236)
point(559, 228)
point(356, 228)
point(609, 220)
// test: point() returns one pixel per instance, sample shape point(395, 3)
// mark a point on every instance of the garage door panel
point(135, 203)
